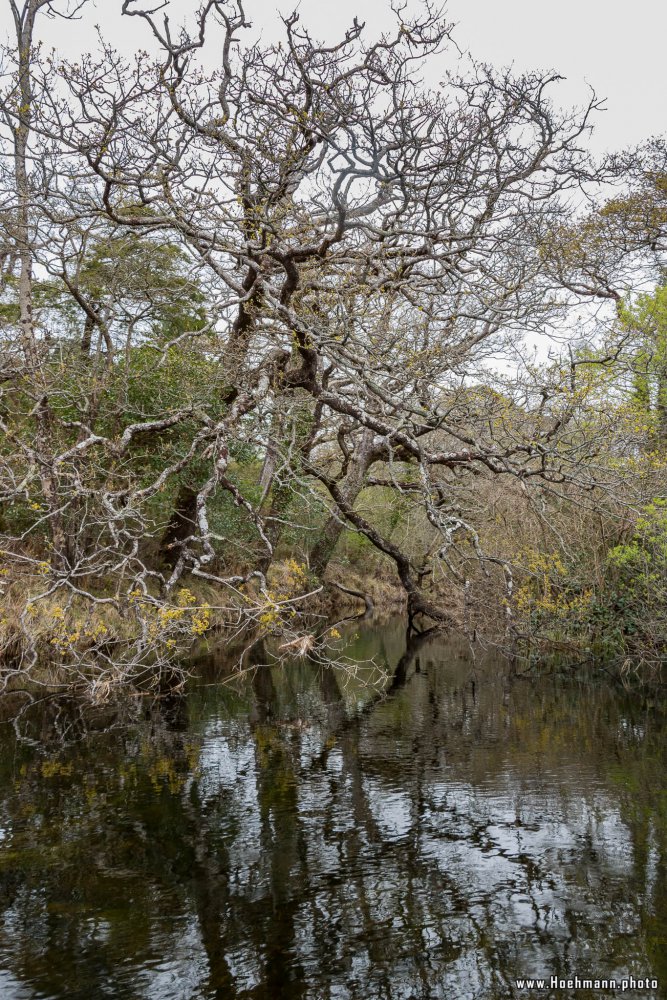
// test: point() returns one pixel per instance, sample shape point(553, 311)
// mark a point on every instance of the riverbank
point(53, 637)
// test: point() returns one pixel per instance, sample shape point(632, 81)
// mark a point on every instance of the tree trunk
point(25, 24)
point(181, 525)
point(282, 491)
point(350, 487)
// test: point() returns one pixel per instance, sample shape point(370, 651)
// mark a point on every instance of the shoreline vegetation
point(265, 362)
point(73, 650)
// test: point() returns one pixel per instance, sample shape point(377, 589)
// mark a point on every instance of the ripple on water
point(447, 840)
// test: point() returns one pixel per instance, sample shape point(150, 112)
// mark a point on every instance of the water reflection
point(296, 836)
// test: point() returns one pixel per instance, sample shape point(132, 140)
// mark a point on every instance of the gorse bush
point(614, 612)
point(635, 595)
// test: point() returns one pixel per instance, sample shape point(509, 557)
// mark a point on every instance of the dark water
point(292, 836)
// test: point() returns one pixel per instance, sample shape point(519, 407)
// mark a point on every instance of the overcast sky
point(619, 48)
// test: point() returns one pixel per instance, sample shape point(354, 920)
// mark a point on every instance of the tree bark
point(350, 487)
point(181, 525)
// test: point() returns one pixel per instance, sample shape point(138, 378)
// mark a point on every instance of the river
point(304, 833)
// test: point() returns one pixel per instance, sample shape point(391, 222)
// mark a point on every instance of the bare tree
point(364, 255)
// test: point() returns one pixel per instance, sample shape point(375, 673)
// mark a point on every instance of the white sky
point(619, 48)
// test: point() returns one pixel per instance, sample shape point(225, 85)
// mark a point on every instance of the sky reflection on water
point(272, 840)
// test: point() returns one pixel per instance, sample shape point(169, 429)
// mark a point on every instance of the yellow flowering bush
point(548, 597)
point(288, 579)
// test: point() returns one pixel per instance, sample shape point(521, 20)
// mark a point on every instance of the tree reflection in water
point(299, 836)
